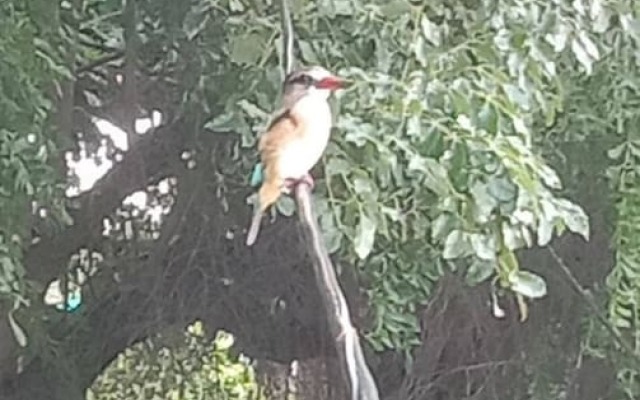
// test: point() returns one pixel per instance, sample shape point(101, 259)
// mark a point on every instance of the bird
point(296, 138)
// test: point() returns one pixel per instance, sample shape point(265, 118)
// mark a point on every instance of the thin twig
point(287, 38)
point(588, 298)
point(99, 62)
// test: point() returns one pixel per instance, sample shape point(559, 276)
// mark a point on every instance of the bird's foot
point(308, 180)
point(345, 331)
point(291, 183)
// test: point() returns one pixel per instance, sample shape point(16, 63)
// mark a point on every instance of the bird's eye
point(307, 80)
point(304, 80)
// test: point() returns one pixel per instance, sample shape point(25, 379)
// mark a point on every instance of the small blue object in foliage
point(257, 175)
point(74, 300)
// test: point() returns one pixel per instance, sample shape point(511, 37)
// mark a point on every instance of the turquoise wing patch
point(257, 176)
point(74, 301)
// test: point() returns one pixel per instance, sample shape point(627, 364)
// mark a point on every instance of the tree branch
point(588, 298)
point(348, 347)
point(130, 92)
point(99, 62)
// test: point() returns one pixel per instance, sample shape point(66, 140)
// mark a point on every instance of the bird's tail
point(254, 228)
point(269, 194)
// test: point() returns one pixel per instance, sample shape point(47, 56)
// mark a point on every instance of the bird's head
point(314, 80)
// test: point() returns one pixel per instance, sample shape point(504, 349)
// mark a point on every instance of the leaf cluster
point(184, 367)
point(29, 185)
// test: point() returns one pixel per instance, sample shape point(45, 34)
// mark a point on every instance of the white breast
point(299, 156)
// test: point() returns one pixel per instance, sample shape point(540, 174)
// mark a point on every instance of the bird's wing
point(284, 128)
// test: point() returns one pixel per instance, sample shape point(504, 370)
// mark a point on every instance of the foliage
point(624, 280)
point(625, 174)
point(613, 123)
point(192, 367)
point(29, 186)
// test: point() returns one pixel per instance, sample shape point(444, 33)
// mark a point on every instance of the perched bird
point(296, 138)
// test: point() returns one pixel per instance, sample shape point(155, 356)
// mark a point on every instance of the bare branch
point(348, 347)
point(588, 298)
point(99, 62)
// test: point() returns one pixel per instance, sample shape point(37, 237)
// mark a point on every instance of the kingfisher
point(295, 139)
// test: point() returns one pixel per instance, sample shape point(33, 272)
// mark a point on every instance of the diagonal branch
point(348, 347)
point(99, 62)
point(587, 297)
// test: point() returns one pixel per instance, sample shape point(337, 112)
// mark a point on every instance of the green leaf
point(545, 231)
point(236, 6)
point(456, 245)
point(222, 123)
point(414, 126)
point(247, 49)
point(430, 31)
point(194, 23)
point(528, 284)
point(18, 332)
point(512, 236)
point(631, 26)
point(488, 118)
point(343, 7)
point(582, 55)
point(363, 186)
point(394, 8)
point(502, 189)
point(484, 246)
point(589, 46)
point(442, 225)
point(484, 202)
point(365, 236)
point(575, 217)
point(420, 50)
point(336, 166)
point(435, 175)
point(616, 152)
point(223, 340)
point(507, 261)
point(286, 206)
point(558, 39)
point(479, 271)
point(308, 54)
point(252, 110)
point(332, 236)
point(459, 166)
point(549, 177)
point(460, 102)
point(517, 95)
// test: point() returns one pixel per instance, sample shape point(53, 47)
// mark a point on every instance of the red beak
point(331, 83)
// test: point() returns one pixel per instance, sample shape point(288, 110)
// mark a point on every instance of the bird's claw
point(291, 183)
point(308, 180)
point(344, 331)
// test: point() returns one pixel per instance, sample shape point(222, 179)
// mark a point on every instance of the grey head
point(310, 81)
